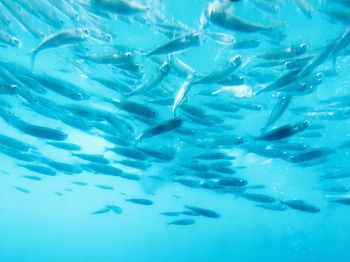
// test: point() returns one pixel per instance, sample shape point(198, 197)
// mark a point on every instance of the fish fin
point(33, 55)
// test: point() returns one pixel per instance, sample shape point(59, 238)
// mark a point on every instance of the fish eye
point(127, 54)
point(86, 32)
point(303, 46)
point(15, 41)
point(108, 38)
point(319, 76)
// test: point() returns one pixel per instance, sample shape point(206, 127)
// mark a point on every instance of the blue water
point(50, 217)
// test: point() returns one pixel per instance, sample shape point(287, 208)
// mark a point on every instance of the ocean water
point(97, 144)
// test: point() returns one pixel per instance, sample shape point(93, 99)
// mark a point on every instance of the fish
point(288, 53)
point(204, 212)
point(65, 146)
point(100, 159)
point(171, 214)
point(219, 15)
point(60, 38)
point(284, 131)
point(182, 222)
point(116, 209)
point(161, 128)
point(15, 144)
point(181, 95)
point(136, 108)
point(22, 189)
point(120, 7)
point(273, 207)
point(140, 201)
point(39, 169)
point(232, 182)
point(102, 169)
point(66, 168)
point(132, 153)
point(105, 187)
point(175, 45)
point(151, 83)
point(309, 155)
point(79, 183)
point(277, 111)
point(301, 206)
point(259, 198)
point(35, 178)
point(220, 73)
point(101, 211)
point(340, 199)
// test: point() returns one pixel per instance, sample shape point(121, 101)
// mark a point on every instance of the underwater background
point(189, 130)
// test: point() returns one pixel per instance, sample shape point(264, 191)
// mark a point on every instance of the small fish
point(181, 95)
point(133, 153)
point(161, 128)
point(140, 201)
point(277, 111)
point(119, 7)
point(135, 164)
point(102, 169)
point(220, 73)
point(15, 144)
point(115, 209)
point(101, 211)
point(243, 44)
point(273, 207)
point(218, 15)
point(61, 38)
point(259, 197)
point(171, 214)
point(310, 154)
point(213, 156)
point(284, 131)
point(65, 146)
point(22, 189)
point(342, 199)
point(105, 187)
point(204, 212)
point(182, 222)
point(79, 183)
point(100, 159)
point(40, 169)
point(178, 44)
point(36, 178)
point(151, 83)
point(136, 108)
point(232, 182)
point(301, 205)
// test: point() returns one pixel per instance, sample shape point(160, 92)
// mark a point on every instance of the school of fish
point(156, 115)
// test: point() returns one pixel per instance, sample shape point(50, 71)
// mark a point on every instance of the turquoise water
point(251, 161)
